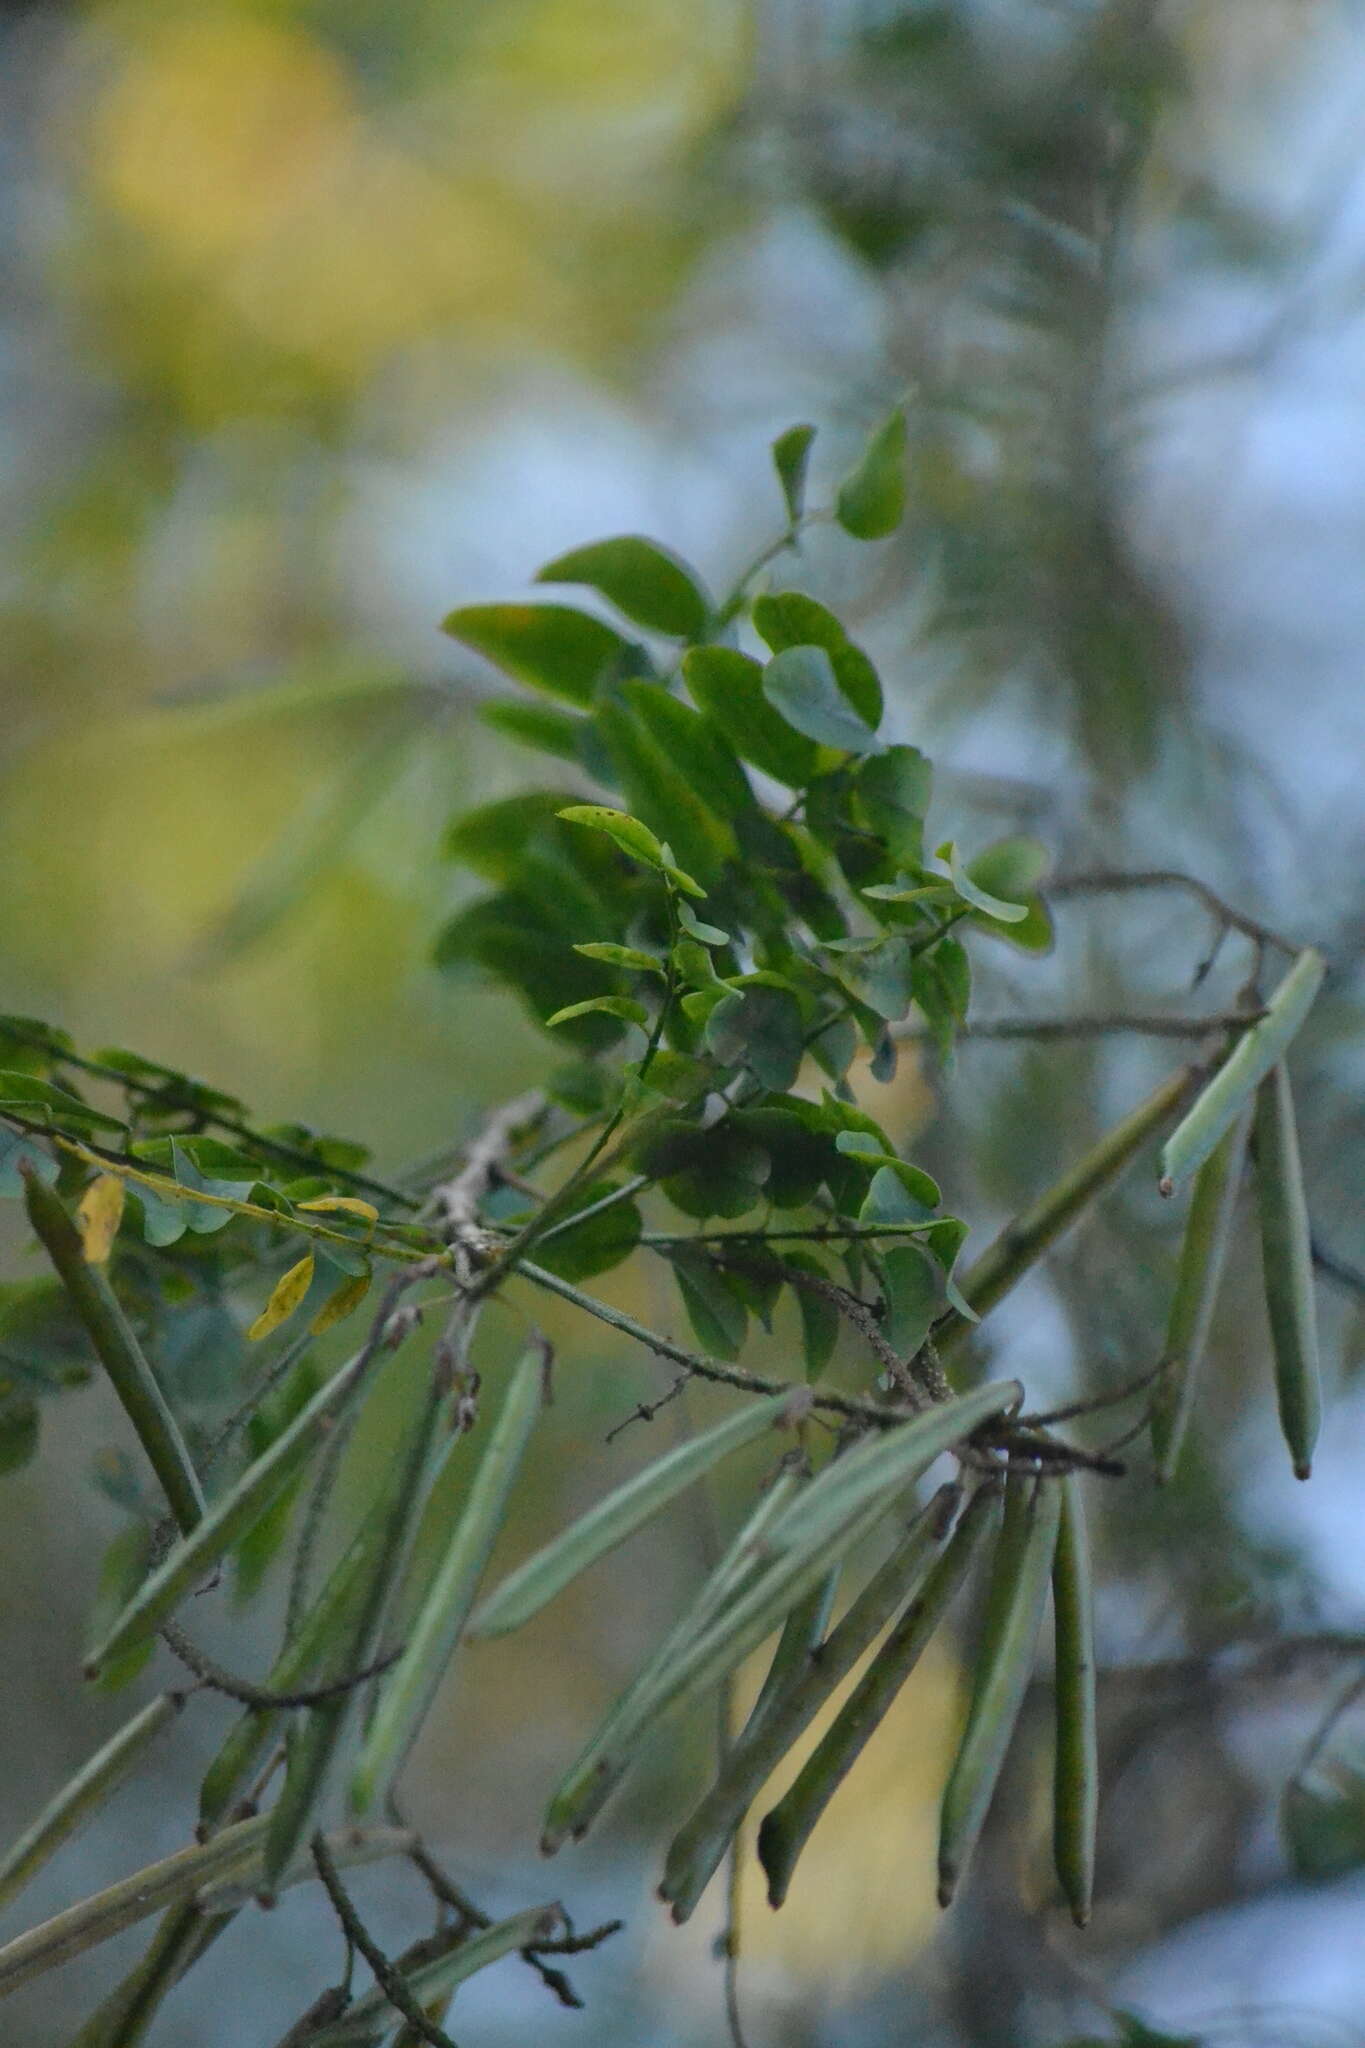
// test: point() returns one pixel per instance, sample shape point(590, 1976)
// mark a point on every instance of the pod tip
point(947, 1886)
point(1303, 1468)
point(1165, 1186)
point(1081, 1915)
point(90, 1668)
point(551, 1842)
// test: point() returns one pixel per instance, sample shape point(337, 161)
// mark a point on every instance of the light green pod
point(118, 1351)
point(699, 1845)
point(788, 1827)
point(1203, 1255)
point(1023, 1566)
point(1259, 1048)
point(409, 1690)
point(1287, 1267)
point(1075, 1805)
point(84, 1794)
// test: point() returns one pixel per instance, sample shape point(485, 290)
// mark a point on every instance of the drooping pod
point(1203, 1255)
point(1075, 1805)
point(1287, 1268)
point(1014, 1612)
point(787, 1828)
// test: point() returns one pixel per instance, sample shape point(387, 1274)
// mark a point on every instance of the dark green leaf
point(537, 725)
point(695, 745)
point(44, 1102)
point(551, 646)
point(914, 1296)
point(894, 791)
point(791, 459)
point(646, 582)
point(728, 686)
point(819, 1316)
point(493, 838)
point(801, 684)
point(715, 1172)
point(18, 1431)
point(760, 1027)
point(788, 618)
point(659, 792)
point(871, 500)
point(594, 1246)
point(717, 1315)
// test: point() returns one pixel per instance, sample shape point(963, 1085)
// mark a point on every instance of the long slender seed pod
point(699, 1845)
point(335, 1612)
point(1287, 1267)
point(121, 1905)
point(1026, 1238)
point(118, 1350)
point(1075, 1804)
point(880, 1465)
point(802, 1634)
point(313, 1745)
point(1258, 1049)
point(122, 2018)
point(1023, 1566)
point(83, 1795)
point(230, 1516)
point(371, 2018)
point(533, 1584)
point(411, 1687)
point(788, 1827)
point(586, 1788)
point(1203, 1256)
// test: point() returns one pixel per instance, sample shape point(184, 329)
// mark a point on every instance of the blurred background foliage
point(318, 320)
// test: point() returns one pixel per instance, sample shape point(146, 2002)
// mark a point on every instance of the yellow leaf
point(290, 1289)
point(99, 1214)
point(348, 1205)
point(349, 1295)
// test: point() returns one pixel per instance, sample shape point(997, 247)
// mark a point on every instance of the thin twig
point(1118, 882)
point(215, 1678)
point(1101, 1025)
point(390, 1981)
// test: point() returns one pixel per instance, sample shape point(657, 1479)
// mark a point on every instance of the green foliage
point(721, 898)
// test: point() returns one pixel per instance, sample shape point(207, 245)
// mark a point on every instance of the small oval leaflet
point(285, 1297)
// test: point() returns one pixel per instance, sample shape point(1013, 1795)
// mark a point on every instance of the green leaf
point(801, 684)
point(493, 838)
point(1323, 1819)
point(18, 1431)
point(800, 1156)
point(789, 618)
point(624, 1007)
point(539, 726)
point(791, 459)
point(728, 687)
point(870, 502)
point(760, 1027)
point(20, 1155)
point(980, 899)
point(1010, 867)
point(630, 835)
point(550, 646)
point(695, 745)
point(899, 1193)
point(1257, 1050)
point(704, 934)
point(646, 582)
point(819, 1316)
point(718, 1317)
point(578, 1251)
point(44, 1102)
point(913, 1298)
point(894, 791)
point(658, 790)
point(715, 1172)
point(622, 956)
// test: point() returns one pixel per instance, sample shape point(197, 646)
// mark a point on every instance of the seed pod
point(1287, 1267)
point(1075, 1765)
point(1023, 1564)
point(1203, 1256)
point(787, 1828)
point(1246, 1066)
point(118, 1351)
